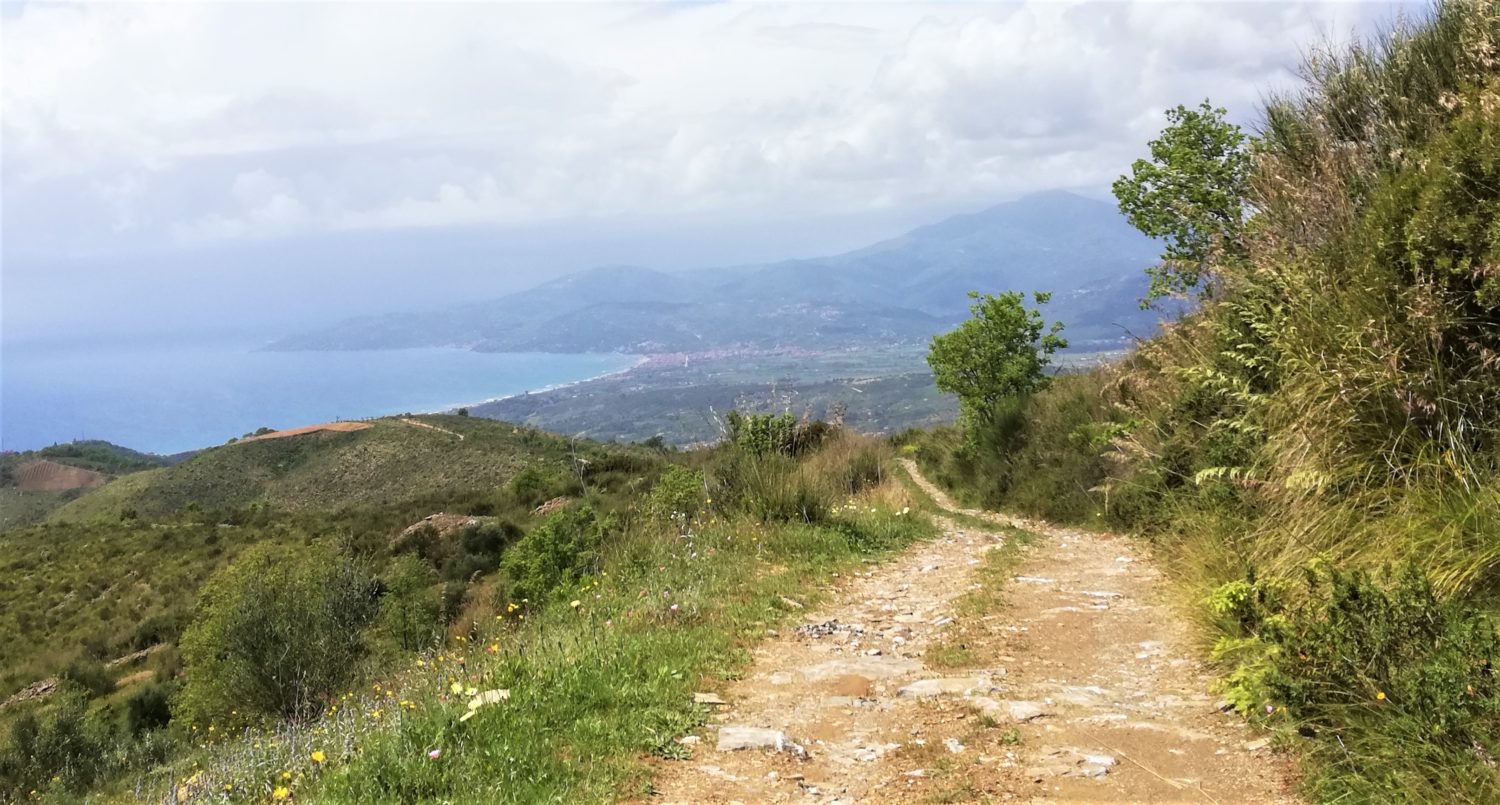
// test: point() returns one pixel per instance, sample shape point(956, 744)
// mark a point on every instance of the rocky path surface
point(1081, 687)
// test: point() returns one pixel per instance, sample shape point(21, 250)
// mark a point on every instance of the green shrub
point(90, 675)
point(60, 749)
point(451, 600)
point(478, 550)
point(679, 492)
point(148, 708)
point(1395, 689)
point(556, 553)
point(274, 633)
point(163, 627)
point(533, 486)
point(1043, 454)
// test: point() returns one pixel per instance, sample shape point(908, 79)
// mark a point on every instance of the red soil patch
point(49, 476)
point(327, 427)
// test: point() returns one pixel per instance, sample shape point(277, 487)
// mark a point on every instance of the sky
point(174, 167)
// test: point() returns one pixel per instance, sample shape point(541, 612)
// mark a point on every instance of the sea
point(184, 395)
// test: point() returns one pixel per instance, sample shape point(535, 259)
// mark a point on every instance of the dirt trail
point(1080, 688)
point(415, 423)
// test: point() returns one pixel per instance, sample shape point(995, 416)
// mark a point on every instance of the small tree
point(1001, 352)
point(1191, 194)
point(275, 631)
point(411, 604)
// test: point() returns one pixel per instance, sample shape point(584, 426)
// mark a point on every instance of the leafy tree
point(1191, 194)
point(410, 605)
point(275, 631)
point(1000, 352)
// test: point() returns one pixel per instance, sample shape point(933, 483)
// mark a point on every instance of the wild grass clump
point(773, 487)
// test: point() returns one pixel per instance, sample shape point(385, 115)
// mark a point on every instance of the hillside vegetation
point(1317, 449)
point(22, 501)
point(118, 569)
point(258, 642)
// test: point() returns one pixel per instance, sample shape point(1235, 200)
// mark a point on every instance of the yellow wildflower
point(281, 792)
point(1380, 695)
point(318, 756)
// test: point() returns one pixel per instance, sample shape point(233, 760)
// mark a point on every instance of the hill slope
point(36, 482)
point(118, 569)
point(902, 290)
point(393, 460)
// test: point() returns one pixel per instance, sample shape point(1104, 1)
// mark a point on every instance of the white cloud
point(190, 122)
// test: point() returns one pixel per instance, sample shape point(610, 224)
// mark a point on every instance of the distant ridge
point(901, 290)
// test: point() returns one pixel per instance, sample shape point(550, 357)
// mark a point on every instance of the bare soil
point(50, 476)
point(327, 427)
point(1082, 687)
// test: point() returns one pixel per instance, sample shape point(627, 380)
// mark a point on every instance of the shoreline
point(640, 360)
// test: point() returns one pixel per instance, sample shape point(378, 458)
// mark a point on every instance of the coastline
point(640, 360)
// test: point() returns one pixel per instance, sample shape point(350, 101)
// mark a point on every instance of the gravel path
point(1081, 687)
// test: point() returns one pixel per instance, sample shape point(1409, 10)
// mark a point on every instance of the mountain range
point(902, 290)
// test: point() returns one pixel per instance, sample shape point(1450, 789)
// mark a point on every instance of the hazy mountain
point(899, 290)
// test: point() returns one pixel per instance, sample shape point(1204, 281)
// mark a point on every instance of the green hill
point(118, 569)
point(393, 460)
point(22, 503)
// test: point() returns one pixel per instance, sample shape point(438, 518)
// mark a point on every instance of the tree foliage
point(1001, 352)
point(556, 553)
point(409, 604)
point(1190, 194)
point(275, 632)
